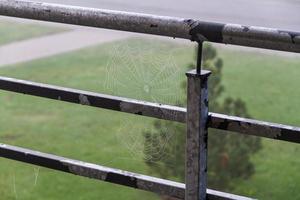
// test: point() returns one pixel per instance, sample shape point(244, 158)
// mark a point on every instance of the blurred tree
point(228, 154)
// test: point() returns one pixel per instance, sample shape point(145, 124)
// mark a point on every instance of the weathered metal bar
point(254, 127)
point(93, 99)
point(196, 139)
point(156, 110)
point(116, 176)
point(251, 36)
point(138, 181)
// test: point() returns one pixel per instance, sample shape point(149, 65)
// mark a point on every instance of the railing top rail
point(251, 36)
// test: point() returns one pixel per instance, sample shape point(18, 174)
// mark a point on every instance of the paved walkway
point(46, 46)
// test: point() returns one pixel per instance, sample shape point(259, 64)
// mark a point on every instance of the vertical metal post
point(196, 141)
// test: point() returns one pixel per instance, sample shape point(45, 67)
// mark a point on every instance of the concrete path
point(46, 46)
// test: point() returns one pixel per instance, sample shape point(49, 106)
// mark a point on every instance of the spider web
point(144, 72)
point(18, 188)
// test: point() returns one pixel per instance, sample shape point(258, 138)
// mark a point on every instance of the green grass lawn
point(16, 31)
point(270, 87)
point(135, 69)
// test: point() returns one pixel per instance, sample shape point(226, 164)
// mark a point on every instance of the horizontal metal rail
point(254, 127)
point(156, 110)
point(196, 30)
point(93, 99)
point(116, 176)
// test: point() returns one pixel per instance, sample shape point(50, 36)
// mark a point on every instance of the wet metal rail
point(191, 29)
point(195, 116)
point(116, 176)
point(149, 109)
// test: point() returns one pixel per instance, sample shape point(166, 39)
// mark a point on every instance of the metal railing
point(196, 115)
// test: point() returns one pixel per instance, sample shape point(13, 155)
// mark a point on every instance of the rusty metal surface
point(196, 136)
point(251, 36)
point(160, 111)
point(116, 176)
